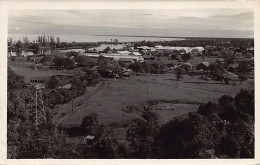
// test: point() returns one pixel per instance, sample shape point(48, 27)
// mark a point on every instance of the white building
point(116, 56)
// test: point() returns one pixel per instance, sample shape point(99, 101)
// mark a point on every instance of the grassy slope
point(108, 102)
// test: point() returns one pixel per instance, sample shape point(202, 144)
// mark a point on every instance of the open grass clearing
point(109, 101)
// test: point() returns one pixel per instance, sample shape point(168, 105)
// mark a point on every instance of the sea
point(97, 38)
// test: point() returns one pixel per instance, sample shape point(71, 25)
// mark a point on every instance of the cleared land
point(110, 97)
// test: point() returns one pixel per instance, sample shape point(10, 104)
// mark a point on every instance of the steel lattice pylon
point(39, 107)
point(39, 85)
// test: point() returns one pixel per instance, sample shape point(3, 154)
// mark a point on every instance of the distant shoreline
point(169, 37)
point(141, 36)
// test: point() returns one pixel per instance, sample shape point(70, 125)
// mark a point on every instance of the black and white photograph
point(131, 83)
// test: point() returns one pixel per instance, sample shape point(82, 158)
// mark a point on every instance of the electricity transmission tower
point(39, 85)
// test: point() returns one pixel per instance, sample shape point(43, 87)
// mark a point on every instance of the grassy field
point(109, 100)
point(193, 60)
point(24, 69)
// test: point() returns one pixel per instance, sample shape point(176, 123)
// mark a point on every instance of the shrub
point(89, 124)
point(208, 108)
point(244, 101)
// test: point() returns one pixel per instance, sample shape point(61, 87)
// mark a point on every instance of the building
point(116, 56)
point(186, 66)
point(126, 60)
point(221, 60)
point(231, 76)
point(203, 66)
point(135, 54)
point(125, 52)
point(65, 86)
point(148, 57)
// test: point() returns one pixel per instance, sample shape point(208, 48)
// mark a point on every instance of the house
point(231, 76)
point(148, 57)
point(232, 67)
point(251, 48)
point(238, 54)
point(135, 54)
point(126, 60)
point(91, 50)
point(174, 56)
point(38, 83)
point(186, 66)
point(125, 52)
point(221, 60)
point(249, 55)
point(65, 86)
point(89, 139)
point(203, 66)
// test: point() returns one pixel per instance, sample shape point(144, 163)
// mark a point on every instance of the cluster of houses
point(130, 54)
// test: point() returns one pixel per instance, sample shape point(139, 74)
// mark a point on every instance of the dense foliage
point(25, 138)
point(217, 130)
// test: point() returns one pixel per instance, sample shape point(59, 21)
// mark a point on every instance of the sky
point(233, 23)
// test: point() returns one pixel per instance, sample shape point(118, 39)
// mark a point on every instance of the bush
point(225, 100)
point(209, 108)
point(89, 124)
point(244, 101)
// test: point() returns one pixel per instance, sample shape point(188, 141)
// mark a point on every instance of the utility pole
point(36, 110)
point(115, 82)
point(123, 110)
point(160, 64)
point(72, 105)
point(147, 93)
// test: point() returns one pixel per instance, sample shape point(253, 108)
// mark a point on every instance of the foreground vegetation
point(217, 130)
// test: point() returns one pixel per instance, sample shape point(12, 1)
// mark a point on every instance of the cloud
point(220, 22)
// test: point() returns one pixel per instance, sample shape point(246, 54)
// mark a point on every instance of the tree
point(106, 148)
point(216, 68)
point(25, 140)
point(10, 41)
point(244, 101)
point(115, 41)
point(186, 57)
point(243, 66)
point(107, 49)
point(178, 76)
point(18, 45)
point(54, 82)
point(59, 61)
point(69, 63)
point(207, 109)
point(25, 40)
point(186, 137)
point(14, 81)
point(90, 125)
point(142, 136)
point(58, 40)
point(136, 67)
point(242, 77)
point(101, 60)
point(84, 61)
point(226, 99)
